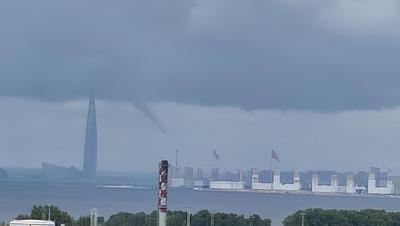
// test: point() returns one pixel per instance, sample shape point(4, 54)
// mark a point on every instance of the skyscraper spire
point(90, 155)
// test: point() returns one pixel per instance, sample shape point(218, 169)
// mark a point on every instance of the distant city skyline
point(129, 141)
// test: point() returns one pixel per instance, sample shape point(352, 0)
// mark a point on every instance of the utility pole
point(93, 217)
point(187, 216)
point(212, 218)
point(302, 218)
point(49, 213)
point(176, 158)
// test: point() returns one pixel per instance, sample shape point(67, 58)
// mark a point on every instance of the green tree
point(152, 219)
point(23, 217)
point(176, 218)
point(129, 219)
point(320, 217)
point(201, 218)
point(83, 221)
point(56, 215)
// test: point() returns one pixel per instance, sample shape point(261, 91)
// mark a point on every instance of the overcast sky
point(317, 81)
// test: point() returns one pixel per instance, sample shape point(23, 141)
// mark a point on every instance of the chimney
point(162, 193)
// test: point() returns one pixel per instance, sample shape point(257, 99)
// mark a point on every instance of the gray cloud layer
point(278, 54)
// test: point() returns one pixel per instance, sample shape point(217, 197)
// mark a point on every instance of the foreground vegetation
point(312, 217)
point(175, 218)
point(320, 217)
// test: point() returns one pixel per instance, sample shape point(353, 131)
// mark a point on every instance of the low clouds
point(286, 55)
point(363, 18)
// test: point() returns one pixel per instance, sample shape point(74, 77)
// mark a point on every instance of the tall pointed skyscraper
point(90, 155)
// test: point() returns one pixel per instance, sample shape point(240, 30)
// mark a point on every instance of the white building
point(276, 183)
point(227, 185)
point(177, 182)
point(351, 186)
point(188, 177)
point(316, 187)
point(373, 189)
point(257, 185)
point(334, 186)
point(198, 183)
point(31, 223)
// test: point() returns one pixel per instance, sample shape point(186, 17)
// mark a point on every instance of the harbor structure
point(277, 185)
point(351, 186)
point(227, 185)
point(334, 186)
point(375, 190)
point(256, 184)
point(276, 182)
point(323, 188)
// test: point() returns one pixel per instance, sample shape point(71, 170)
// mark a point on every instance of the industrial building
point(188, 177)
point(177, 182)
point(323, 182)
point(186, 180)
point(199, 174)
point(276, 182)
point(198, 183)
point(227, 185)
point(334, 186)
point(375, 190)
point(214, 174)
point(31, 223)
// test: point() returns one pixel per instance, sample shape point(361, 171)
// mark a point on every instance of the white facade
point(257, 185)
point(177, 182)
point(373, 189)
point(316, 187)
point(334, 186)
point(31, 223)
point(276, 184)
point(198, 183)
point(227, 185)
point(351, 187)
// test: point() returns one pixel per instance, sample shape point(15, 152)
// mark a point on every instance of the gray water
point(18, 198)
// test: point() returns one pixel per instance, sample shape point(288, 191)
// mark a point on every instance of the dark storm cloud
point(279, 54)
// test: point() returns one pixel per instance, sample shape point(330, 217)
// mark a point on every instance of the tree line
point(175, 218)
point(333, 217)
point(310, 217)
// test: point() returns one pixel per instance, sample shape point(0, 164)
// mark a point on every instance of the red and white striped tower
point(162, 193)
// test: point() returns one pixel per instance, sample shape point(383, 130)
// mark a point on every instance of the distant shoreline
point(305, 193)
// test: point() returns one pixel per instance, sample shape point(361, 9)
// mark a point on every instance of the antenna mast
point(49, 213)
point(176, 158)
